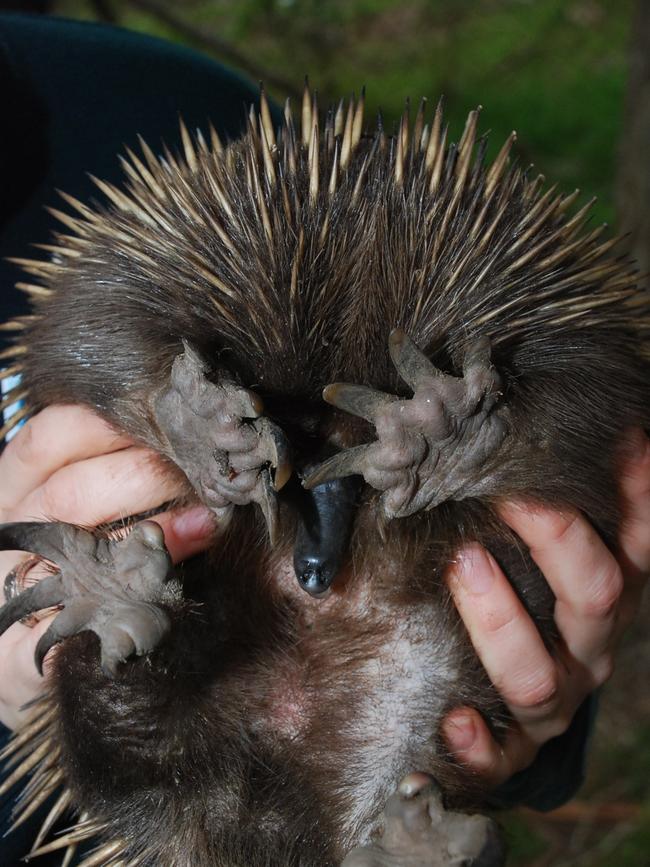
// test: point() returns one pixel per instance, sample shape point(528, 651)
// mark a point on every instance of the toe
point(45, 594)
point(117, 646)
point(71, 620)
point(145, 624)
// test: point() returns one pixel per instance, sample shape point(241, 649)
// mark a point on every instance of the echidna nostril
point(314, 579)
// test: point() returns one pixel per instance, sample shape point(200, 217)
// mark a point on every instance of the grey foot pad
point(110, 587)
point(419, 832)
point(216, 435)
point(432, 447)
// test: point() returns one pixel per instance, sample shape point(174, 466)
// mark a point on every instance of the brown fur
point(249, 738)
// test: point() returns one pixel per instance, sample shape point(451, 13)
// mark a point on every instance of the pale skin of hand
point(58, 461)
point(597, 596)
point(52, 470)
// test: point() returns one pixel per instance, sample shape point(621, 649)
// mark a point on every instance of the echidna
point(483, 345)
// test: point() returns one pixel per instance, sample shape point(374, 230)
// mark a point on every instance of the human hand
point(67, 464)
point(597, 595)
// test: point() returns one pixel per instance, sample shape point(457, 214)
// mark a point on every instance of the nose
point(314, 575)
point(325, 516)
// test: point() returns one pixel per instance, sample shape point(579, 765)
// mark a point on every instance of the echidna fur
point(286, 258)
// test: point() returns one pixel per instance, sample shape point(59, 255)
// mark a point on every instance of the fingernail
point(192, 524)
point(460, 731)
point(474, 570)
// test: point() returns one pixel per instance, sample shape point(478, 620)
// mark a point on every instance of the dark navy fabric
point(73, 94)
point(558, 771)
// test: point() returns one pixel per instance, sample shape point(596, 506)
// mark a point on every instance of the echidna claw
point(268, 503)
point(275, 445)
point(409, 360)
point(432, 447)
point(216, 434)
point(350, 462)
point(357, 399)
point(112, 587)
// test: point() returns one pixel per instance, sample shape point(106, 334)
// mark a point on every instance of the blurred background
point(573, 78)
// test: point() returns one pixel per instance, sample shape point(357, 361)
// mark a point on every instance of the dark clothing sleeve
point(558, 771)
point(74, 94)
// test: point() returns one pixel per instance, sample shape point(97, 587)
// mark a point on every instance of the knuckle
point(557, 527)
point(35, 437)
point(23, 448)
point(60, 503)
point(501, 619)
point(606, 595)
point(539, 694)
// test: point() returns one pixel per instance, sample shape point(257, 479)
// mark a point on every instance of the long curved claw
point(48, 540)
point(268, 503)
point(45, 594)
point(71, 620)
point(351, 462)
point(432, 447)
point(123, 628)
point(410, 362)
point(278, 450)
point(357, 399)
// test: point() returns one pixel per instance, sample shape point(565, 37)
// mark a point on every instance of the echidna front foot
point(432, 447)
point(419, 832)
point(111, 587)
point(215, 433)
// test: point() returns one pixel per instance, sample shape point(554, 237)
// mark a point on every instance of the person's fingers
point(584, 575)
point(188, 531)
point(102, 489)
point(592, 586)
point(18, 673)
point(498, 625)
point(52, 439)
point(634, 538)
point(472, 744)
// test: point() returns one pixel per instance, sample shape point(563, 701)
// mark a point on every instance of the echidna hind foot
point(112, 587)
point(432, 447)
point(418, 832)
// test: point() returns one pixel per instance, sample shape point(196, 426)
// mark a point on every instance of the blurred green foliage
point(554, 70)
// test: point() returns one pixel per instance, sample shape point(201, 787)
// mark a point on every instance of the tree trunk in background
point(633, 192)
